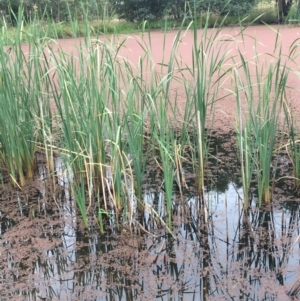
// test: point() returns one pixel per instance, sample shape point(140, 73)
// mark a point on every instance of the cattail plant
point(210, 55)
point(264, 99)
point(293, 144)
point(244, 137)
point(22, 87)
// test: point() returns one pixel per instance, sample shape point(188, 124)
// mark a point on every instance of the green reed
point(79, 193)
point(293, 144)
point(108, 116)
point(137, 150)
point(23, 88)
point(245, 140)
point(83, 111)
point(264, 99)
point(86, 93)
point(266, 125)
point(210, 55)
point(96, 120)
point(166, 144)
point(121, 177)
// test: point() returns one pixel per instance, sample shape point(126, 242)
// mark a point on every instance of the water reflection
point(217, 252)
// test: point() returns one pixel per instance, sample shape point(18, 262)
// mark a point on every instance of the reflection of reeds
point(295, 289)
point(195, 261)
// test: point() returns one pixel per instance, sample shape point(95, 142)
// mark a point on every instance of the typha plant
point(89, 102)
point(82, 104)
point(292, 120)
point(293, 144)
point(265, 93)
point(265, 124)
point(118, 172)
point(245, 139)
point(23, 87)
point(79, 193)
point(83, 110)
point(166, 143)
point(146, 119)
point(135, 134)
point(210, 55)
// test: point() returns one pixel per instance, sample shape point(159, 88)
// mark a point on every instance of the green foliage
point(294, 11)
point(130, 10)
point(58, 10)
point(111, 115)
point(231, 7)
point(140, 9)
point(287, 9)
point(176, 8)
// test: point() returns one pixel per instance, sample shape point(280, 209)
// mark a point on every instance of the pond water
point(215, 252)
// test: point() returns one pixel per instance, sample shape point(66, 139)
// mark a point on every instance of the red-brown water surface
point(262, 42)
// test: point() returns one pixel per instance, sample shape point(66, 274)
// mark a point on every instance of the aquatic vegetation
point(108, 117)
point(210, 56)
point(25, 105)
point(293, 144)
point(264, 96)
point(130, 147)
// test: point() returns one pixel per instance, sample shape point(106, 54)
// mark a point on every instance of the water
point(215, 250)
point(234, 255)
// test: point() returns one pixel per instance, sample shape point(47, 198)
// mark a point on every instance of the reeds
point(108, 116)
point(245, 146)
point(210, 56)
point(265, 125)
point(293, 144)
point(257, 135)
point(23, 82)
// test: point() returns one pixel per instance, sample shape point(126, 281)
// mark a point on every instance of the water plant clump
point(258, 128)
point(108, 117)
point(292, 145)
point(24, 98)
point(111, 136)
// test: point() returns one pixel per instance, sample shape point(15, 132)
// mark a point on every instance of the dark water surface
point(217, 253)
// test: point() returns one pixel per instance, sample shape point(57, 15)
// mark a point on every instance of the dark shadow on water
point(253, 259)
point(217, 250)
